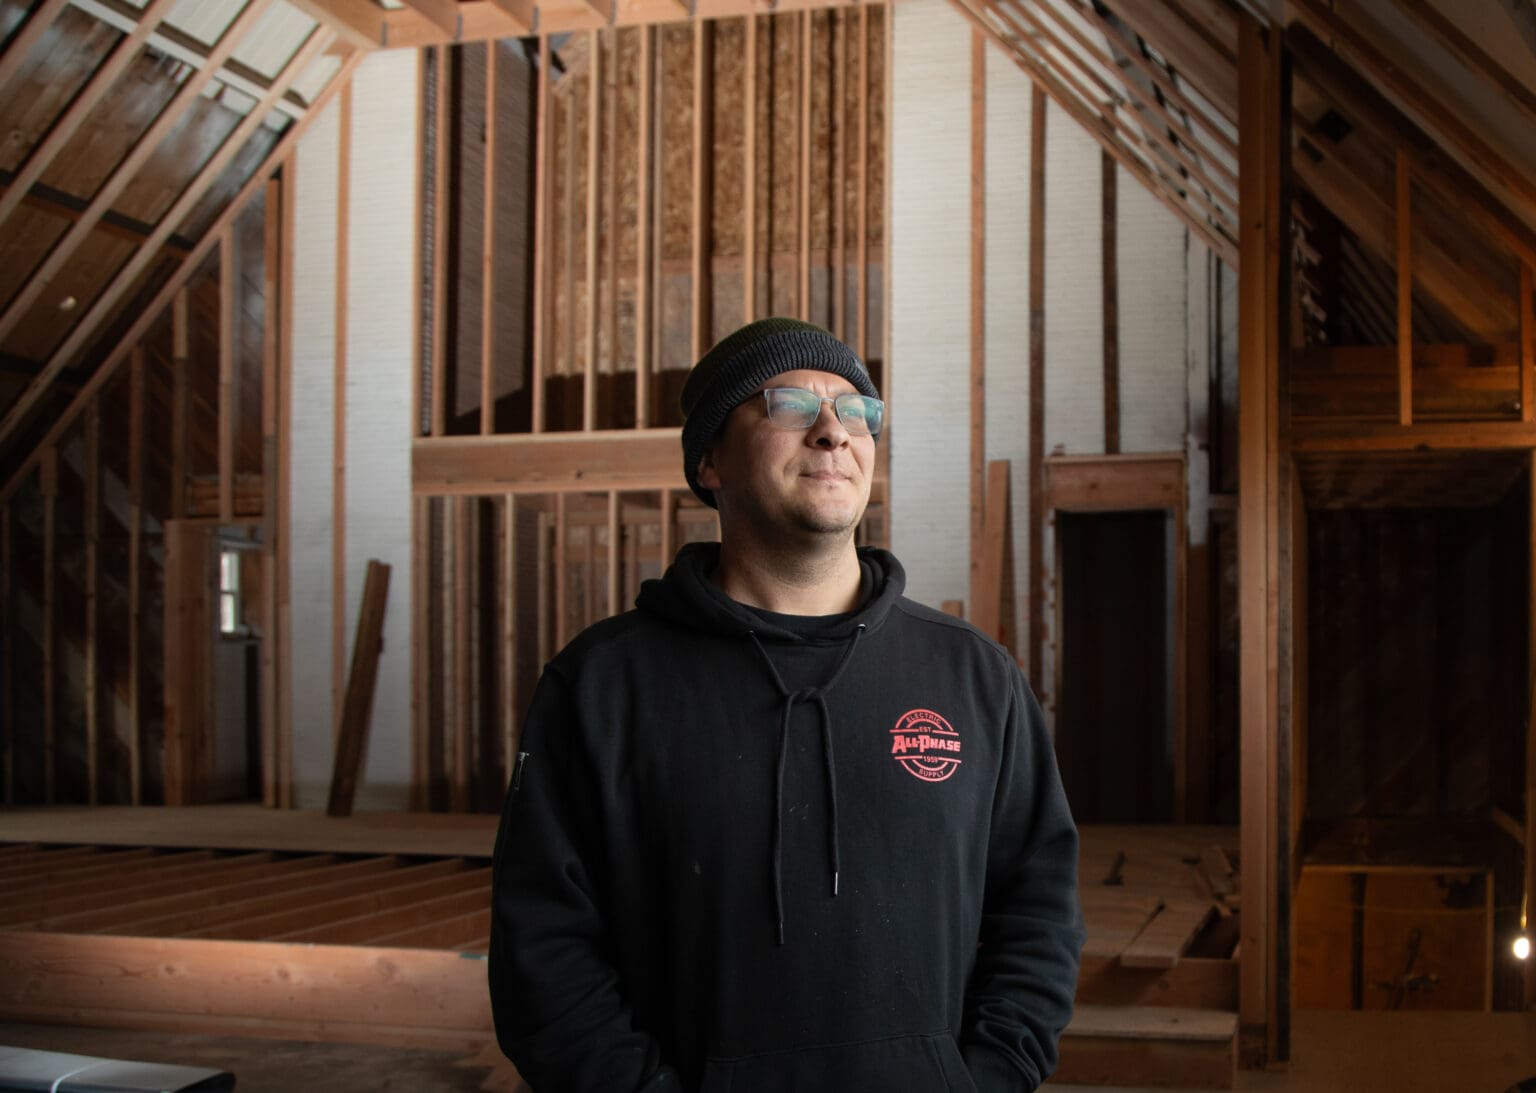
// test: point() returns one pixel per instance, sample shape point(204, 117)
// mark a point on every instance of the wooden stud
point(838, 262)
point(749, 173)
point(282, 580)
point(1527, 343)
point(352, 724)
point(187, 96)
point(542, 563)
point(188, 629)
point(978, 318)
point(803, 162)
point(1404, 223)
point(861, 292)
point(68, 124)
point(91, 629)
point(541, 263)
point(567, 291)
point(1109, 252)
point(7, 662)
point(443, 106)
point(488, 252)
point(1037, 561)
point(509, 634)
point(1528, 875)
point(610, 313)
point(180, 399)
point(227, 403)
point(422, 650)
point(668, 519)
point(462, 681)
point(702, 281)
point(562, 592)
point(613, 552)
point(339, 408)
point(643, 169)
point(589, 330)
point(271, 340)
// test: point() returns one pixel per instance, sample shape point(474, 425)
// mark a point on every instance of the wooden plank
point(749, 171)
point(668, 519)
point(1168, 935)
point(49, 488)
point(613, 552)
point(372, 928)
point(226, 407)
point(1196, 983)
point(982, 598)
point(1528, 895)
point(59, 134)
point(27, 37)
point(510, 709)
point(411, 992)
point(488, 251)
point(165, 122)
point(610, 312)
point(643, 168)
point(992, 609)
point(701, 281)
point(1110, 274)
point(352, 732)
point(189, 636)
point(1114, 483)
point(92, 582)
point(542, 272)
point(1036, 522)
point(1322, 436)
point(562, 582)
point(454, 932)
point(463, 534)
point(1471, 56)
point(589, 328)
point(282, 579)
point(442, 13)
point(1404, 222)
point(271, 265)
point(339, 408)
point(442, 106)
point(861, 275)
point(803, 45)
point(181, 365)
point(7, 662)
point(629, 459)
point(421, 653)
point(838, 259)
point(323, 907)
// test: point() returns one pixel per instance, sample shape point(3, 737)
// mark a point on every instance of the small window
point(229, 592)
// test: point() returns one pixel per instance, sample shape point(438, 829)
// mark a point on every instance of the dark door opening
point(1114, 725)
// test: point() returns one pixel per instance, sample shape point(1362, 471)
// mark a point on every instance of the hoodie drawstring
point(818, 696)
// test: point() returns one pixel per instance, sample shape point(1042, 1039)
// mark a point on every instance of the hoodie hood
point(687, 597)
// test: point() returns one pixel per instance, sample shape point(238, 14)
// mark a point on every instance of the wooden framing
point(227, 405)
point(1404, 180)
point(1263, 112)
point(1527, 306)
point(421, 643)
point(352, 722)
point(978, 327)
point(460, 752)
point(165, 122)
point(643, 170)
point(837, 264)
point(48, 483)
point(442, 107)
point(749, 172)
point(542, 267)
point(627, 459)
point(271, 472)
point(589, 384)
point(7, 663)
point(1037, 564)
point(1528, 876)
point(63, 130)
point(861, 291)
point(189, 630)
point(282, 579)
point(803, 164)
point(510, 710)
point(92, 582)
point(181, 365)
point(701, 322)
point(488, 252)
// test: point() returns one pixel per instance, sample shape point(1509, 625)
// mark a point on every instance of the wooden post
point(488, 252)
point(180, 381)
point(562, 612)
point(978, 331)
point(48, 475)
point(509, 634)
point(7, 661)
point(282, 578)
point(1528, 886)
point(748, 175)
point(803, 160)
point(1404, 288)
point(703, 140)
point(443, 106)
point(1527, 343)
point(1263, 248)
point(270, 341)
point(643, 233)
point(589, 330)
point(422, 648)
point(1108, 170)
point(836, 264)
point(1037, 563)
point(861, 291)
point(92, 650)
point(352, 727)
point(542, 267)
point(188, 643)
point(226, 410)
point(462, 533)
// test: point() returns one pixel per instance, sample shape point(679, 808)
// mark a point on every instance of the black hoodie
point(752, 852)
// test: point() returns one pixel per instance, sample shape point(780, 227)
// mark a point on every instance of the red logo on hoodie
point(926, 745)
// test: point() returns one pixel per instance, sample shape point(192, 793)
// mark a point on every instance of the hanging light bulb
point(1522, 947)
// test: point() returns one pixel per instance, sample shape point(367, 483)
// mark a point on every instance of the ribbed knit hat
point(740, 363)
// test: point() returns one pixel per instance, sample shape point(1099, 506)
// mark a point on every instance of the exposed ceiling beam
point(526, 12)
point(1404, 85)
point(61, 132)
point(1366, 107)
point(186, 49)
point(1193, 50)
point(443, 14)
point(1464, 49)
point(29, 35)
point(167, 120)
point(360, 23)
point(151, 314)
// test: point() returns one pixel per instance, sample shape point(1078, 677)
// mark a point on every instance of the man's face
point(778, 480)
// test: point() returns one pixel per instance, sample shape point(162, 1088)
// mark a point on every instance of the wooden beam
point(861, 275)
point(181, 365)
point(443, 14)
point(7, 661)
point(1528, 872)
point(488, 251)
point(462, 701)
point(282, 578)
point(626, 459)
point(614, 533)
point(106, 302)
point(422, 650)
point(977, 380)
point(1036, 521)
point(48, 485)
point(1472, 57)
point(526, 12)
point(589, 330)
point(1527, 304)
point(542, 267)
point(31, 33)
point(803, 162)
point(1110, 278)
point(1318, 436)
point(227, 394)
point(1404, 264)
point(511, 710)
point(352, 729)
point(749, 172)
point(165, 122)
point(702, 280)
point(339, 406)
point(643, 168)
point(443, 109)
point(1193, 50)
point(63, 130)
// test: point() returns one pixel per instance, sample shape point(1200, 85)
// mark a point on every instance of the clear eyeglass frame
point(798, 408)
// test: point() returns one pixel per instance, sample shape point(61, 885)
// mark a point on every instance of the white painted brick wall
point(382, 210)
point(313, 355)
point(930, 162)
point(1153, 289)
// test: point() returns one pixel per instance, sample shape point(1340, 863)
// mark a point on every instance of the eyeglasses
point(797, 408)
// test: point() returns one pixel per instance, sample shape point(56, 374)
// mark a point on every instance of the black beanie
point(740, 363)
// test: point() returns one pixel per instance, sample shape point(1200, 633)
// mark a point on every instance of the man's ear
point(707, 473)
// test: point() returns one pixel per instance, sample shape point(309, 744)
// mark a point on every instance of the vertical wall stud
point(837, 263)
point(978, 325)
point(509, 633)
point(463, 532)
point(594, 75)
point(7, 660)
point(1404, 287)
point(562, 596)
point(180, 397)
point(488, 253)
point(48, 471)
point(749, 175)
point(92, 650)
point(443, 105)
point(803, 201)
point(282, 580)
point(613, 552)
point(227, 407)
point(541, 264)
point(861, 293)
point(270, 471)
point(1527, 342)
point(643, 233)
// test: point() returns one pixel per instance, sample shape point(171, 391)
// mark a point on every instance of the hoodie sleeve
point(555, 995)
point(1020, 993)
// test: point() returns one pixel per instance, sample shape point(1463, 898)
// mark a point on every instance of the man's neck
point(802, 584)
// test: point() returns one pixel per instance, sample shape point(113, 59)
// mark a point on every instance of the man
point(781, 828)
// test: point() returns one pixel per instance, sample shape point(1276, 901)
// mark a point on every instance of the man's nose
point(827, 431)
